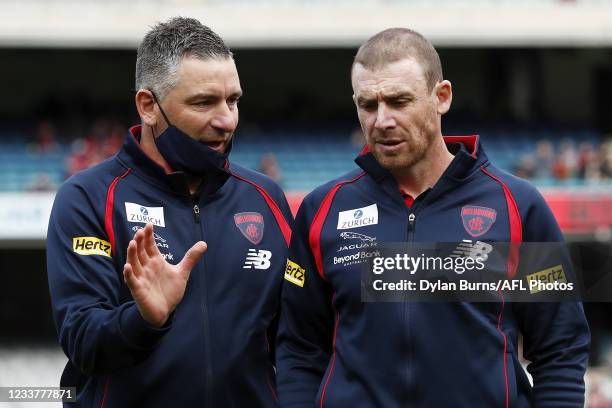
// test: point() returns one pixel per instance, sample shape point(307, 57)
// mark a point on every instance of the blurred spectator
point(269, 166)
point(44, 139)
point(567, 161)
point(104, 139)
point(114, 141)
point(526, 167)
point(589, 162)
point(41, 182)
point(544, 160)
point(85, 153)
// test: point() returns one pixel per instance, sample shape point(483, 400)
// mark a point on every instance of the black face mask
point(186, 154)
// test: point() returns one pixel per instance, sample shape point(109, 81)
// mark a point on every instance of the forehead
point(405, 75)
point(207, 76)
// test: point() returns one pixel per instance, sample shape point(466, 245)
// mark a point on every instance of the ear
point(444, 96)
point(145, 104)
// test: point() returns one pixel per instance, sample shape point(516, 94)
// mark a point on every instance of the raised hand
point(156, 285)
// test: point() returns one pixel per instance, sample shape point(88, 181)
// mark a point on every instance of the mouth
point(390, 145)
point(217, 145)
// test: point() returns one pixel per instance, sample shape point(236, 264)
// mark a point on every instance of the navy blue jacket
point(336, 351)
point(215, 350)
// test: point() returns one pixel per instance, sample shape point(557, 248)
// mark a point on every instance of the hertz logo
point(538, 281)
point(91, 246)
point(294, 273)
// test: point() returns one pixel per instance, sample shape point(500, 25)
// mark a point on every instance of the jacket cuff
point(137, 332)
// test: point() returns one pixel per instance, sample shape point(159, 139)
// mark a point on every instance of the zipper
point(411, 225)
point(196, 213)
point(205, 318)
point(407, 308)
point(411, 219)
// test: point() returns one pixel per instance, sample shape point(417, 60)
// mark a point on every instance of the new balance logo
point(258, 259)
point(475, 250)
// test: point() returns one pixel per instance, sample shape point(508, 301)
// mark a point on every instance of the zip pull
point(196, 213)
point(411, 219)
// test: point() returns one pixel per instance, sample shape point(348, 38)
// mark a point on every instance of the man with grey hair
point(165, 262)
point(415, 186)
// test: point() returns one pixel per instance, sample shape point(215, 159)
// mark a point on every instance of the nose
point(226, 118)
point(384, 119)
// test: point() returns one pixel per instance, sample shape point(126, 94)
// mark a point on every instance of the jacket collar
point(469, 156)
point(132, 155)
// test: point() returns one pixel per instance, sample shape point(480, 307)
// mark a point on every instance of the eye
point(203, 102)
point(233, 101)
point(368, 105)
point(400, 102)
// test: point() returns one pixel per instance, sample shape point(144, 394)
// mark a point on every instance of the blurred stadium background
point(532, 77)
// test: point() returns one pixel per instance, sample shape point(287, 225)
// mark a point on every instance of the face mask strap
point(160, 108)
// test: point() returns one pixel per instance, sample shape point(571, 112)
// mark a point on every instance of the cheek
point(367, 122)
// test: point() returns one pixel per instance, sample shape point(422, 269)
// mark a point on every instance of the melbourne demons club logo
point(477, 220)
point(251, 224)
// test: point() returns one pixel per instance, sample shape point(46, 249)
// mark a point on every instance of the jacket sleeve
point(97, 332)
point(306, 323)
point(556, 335)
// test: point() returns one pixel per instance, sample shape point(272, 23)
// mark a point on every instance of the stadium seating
point(305, 159)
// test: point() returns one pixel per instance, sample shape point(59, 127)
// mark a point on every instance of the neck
point(193, 183)
point(147, 144)
point(422, 175)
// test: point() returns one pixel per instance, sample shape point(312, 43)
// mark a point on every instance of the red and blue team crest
point(251, 224)
point(477, 220)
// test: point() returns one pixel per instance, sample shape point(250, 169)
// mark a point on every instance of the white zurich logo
point(258, 259)
point(140, 213)
point(358, 217)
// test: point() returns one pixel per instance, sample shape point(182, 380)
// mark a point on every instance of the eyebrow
point(390, 96)
point(398, 94)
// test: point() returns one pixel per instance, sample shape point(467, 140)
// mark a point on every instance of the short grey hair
point(166, 44)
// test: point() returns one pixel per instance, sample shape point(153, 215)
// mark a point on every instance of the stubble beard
point(415, 151)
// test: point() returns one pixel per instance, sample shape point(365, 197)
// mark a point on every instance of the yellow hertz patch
point(550, 275)
point(91, 246)
point(294, 273)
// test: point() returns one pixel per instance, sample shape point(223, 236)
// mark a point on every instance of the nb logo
point(474, 250)
point(258, 259)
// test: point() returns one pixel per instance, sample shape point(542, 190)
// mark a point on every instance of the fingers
point(149, 241)
point(140, 247)
point(130, 279)
point(191, 258)
point(132, 258)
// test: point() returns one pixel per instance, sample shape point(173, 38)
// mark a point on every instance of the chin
point(396, 162)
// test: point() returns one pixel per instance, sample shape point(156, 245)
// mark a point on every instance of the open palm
point(156, 285)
